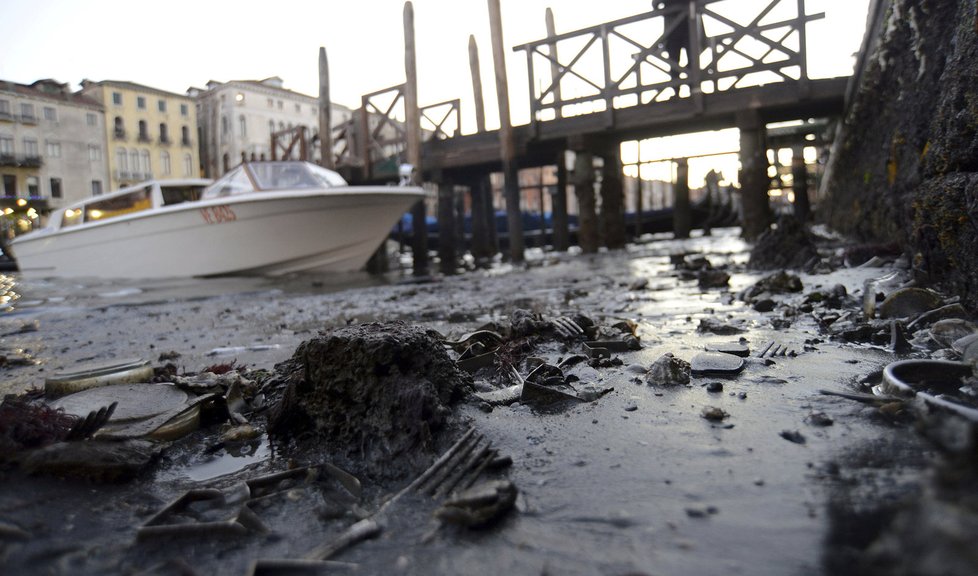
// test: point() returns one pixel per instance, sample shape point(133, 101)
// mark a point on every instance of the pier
point(682, 67)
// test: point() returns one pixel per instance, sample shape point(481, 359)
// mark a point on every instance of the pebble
point(714, 414)
point(668, 371)
point(793, 436)
point(716, 363)
point(714, 387)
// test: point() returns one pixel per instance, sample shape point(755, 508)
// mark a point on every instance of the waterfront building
point(52, 150)
point(149, 133)
point(237, 120)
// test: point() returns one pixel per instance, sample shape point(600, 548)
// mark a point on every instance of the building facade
point(149, 133)
point(52, 150)
point(237, 120)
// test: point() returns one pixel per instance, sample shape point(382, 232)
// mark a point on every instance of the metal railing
point(684, 49)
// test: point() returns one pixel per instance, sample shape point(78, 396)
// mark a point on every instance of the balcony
point(186, 142)
point(6, 117)
point(28, 119)
point(20, 161)
point(119, 134)
point(144, 138)
point(164, 140)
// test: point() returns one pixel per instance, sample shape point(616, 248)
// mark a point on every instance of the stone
point(668, 371)
point(712, 279)
point(713, 414)
point(735, 348)
point(96, 460)
point(720, 328)
point(716, 363)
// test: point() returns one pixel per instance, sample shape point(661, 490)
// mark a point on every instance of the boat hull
point(262, 234)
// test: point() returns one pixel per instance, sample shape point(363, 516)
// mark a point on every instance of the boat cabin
point(132, 199)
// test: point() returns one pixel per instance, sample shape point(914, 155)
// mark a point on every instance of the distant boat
point(261, 218)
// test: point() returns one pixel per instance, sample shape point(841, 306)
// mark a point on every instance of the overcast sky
point(177, 44)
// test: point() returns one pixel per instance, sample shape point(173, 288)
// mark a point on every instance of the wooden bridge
point(684, 66)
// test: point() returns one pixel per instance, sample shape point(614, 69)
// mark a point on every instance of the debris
point(480, 505)
point(97, 460)
point(787, 245)
point(735, 348)
point(132, 370)
point(716, 327)
point(909, 302)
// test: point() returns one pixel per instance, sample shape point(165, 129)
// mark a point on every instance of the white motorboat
point(261, 218)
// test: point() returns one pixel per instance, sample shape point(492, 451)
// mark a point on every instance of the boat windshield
point(289, 175)
point(293, 175)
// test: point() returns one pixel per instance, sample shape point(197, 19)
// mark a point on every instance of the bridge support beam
point(753, 175)
point(587, 234)
point(682, 220)
point(613, 199)
point(799, 184)
point(559, 203)
point(482, 245)
point(447, 242)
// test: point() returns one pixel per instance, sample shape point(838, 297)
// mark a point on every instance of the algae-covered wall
point(906, 169)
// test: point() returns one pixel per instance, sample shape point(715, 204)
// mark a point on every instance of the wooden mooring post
point(559, 206)
point(587, 217)
point(514, 216)
point(447, 241)
point(613, 199)
point(419, 235)
point(799, 184)
point(325, 114)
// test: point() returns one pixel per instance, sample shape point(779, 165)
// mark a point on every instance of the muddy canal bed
point(746, 471)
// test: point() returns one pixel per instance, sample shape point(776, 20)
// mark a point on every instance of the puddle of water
point(227, 461)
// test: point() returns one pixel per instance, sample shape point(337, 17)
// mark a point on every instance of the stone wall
point(906, 166)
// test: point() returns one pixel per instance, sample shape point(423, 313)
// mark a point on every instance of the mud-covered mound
point(788, 245)
point(376, 395)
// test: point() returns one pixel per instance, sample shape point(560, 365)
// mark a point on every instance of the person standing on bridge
point(676, 38)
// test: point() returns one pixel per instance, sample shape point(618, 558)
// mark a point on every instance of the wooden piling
point(559, 204)
point(554, 68)
point(325, 113)
point(613, 199)
point(681, 216)
point(799, 184)
point(481, 247)
point(514, 217)
point(447, 252)
point(480, 105)
point(587, 217)
point(419, 236)
point(753, 174)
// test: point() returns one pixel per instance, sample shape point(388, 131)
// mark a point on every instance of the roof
point(127, 85)
point(51, 90)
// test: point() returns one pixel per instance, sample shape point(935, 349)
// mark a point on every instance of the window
point(117, 98)
point(271, 103)
point(184, 110)
point(242, 126)
point(33, 187)
point(53, 149)
point(91, 119)
point(271, 126)
point(122, 161)
point(188, 165)
point(5, 108)
point(185, 136)
point(30, 148)
point(144, 164)
point(27, 112)
point(279, 104)
point(164, 134)
point(96, 187)
point(6, 145)
point(224, 125)
point(50, 114)
point(161, 105)
point(298, 108)
point(119, 205)
point(94, 153)
point(120, 130)
point(134, 162)
point(141, 102)
point(10, 185)
point(143, 131)
point(165, 162)
point(56, 187)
